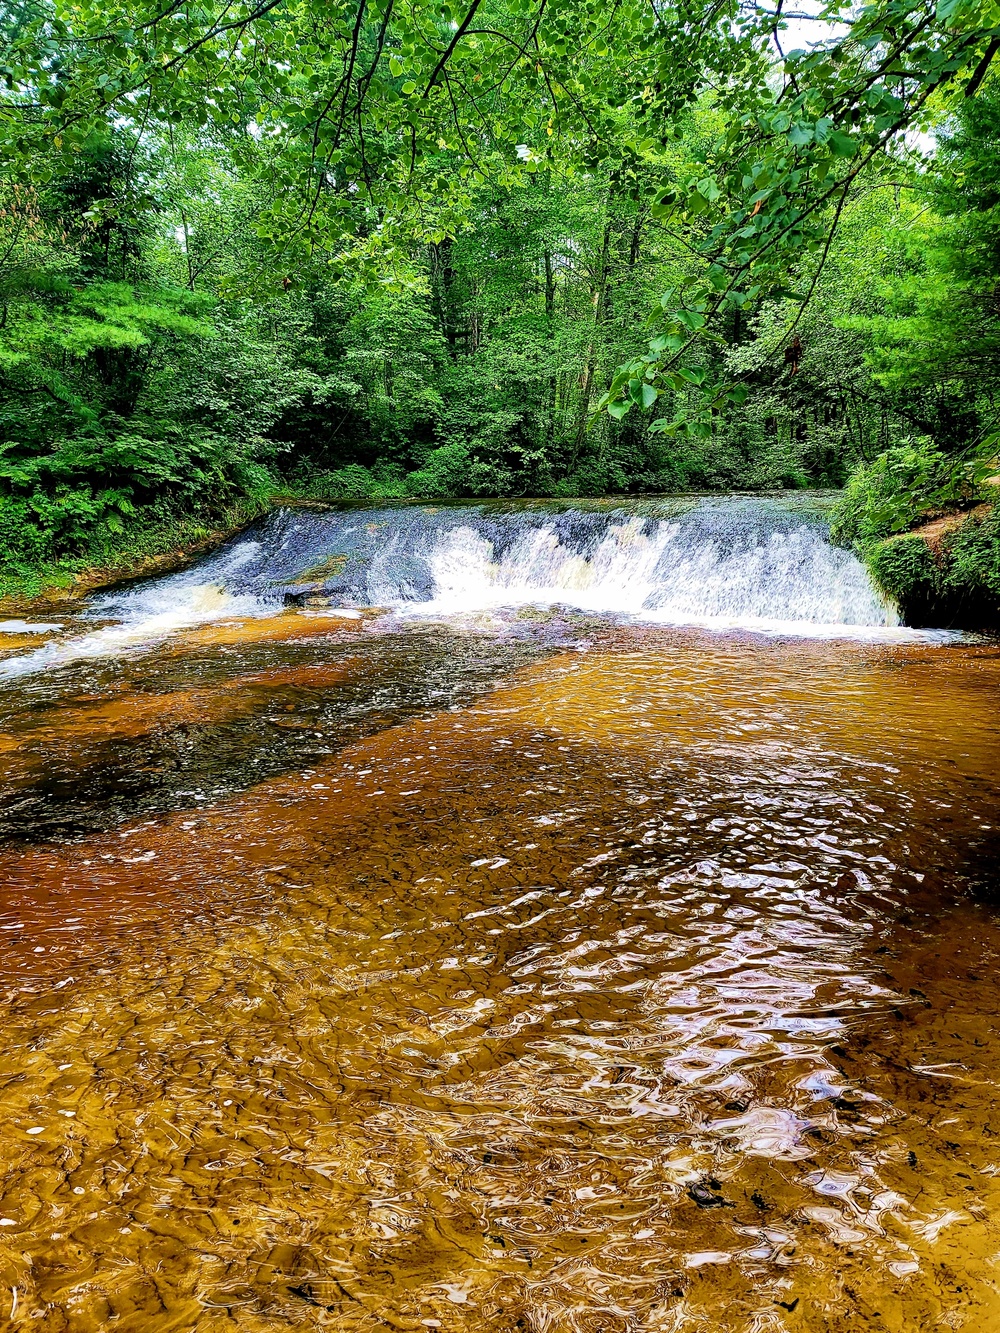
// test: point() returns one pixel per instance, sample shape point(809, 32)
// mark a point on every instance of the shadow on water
point(128, 742)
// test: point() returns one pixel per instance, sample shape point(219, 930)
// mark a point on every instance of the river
point(572, 919)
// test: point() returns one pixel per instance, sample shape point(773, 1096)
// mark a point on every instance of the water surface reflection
point(652, 988)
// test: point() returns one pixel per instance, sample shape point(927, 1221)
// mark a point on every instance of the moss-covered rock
point(904, 567)
point(945, 573)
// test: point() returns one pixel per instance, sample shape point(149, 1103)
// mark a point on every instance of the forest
point(346, 252)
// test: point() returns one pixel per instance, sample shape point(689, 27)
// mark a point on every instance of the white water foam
point(29, 626)
point(147, 615)
point(789, 582)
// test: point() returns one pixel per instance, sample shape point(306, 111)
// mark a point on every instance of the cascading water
point(733, 560)
point(692, 570)
point(763, 564)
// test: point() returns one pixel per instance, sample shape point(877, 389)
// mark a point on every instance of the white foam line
point(203, 604)
point(444, 610)
point(27, 627)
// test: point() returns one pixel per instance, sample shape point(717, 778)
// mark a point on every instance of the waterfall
point(669, 572)
point(727, 561)
point(756, 563)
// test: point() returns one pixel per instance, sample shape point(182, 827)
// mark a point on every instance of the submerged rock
point(706, 1194)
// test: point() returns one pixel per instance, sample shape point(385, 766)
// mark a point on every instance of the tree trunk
point(599, 298)
point(442, 282)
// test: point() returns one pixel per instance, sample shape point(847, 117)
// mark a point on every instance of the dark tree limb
point(456, 38)
point(979, 73)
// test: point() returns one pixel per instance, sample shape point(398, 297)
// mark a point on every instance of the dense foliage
point(353, 249)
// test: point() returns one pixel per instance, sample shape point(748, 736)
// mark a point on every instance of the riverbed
point(519, 965)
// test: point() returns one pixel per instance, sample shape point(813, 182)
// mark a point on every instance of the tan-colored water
point(656, 990)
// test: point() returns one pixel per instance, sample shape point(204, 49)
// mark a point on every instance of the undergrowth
point(957, 578)
point(106, 554)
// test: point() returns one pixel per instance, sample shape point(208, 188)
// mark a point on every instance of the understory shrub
point(904, 567)
point(902, 486)
point(972, 555)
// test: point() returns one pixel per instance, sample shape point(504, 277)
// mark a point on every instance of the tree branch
point(456, 38)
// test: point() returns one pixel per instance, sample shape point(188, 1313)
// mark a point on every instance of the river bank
point(944, 571)
point(140, 550)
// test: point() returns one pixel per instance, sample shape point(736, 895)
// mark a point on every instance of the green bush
point(902, 486)
point(904, 568)
point(23, 540)
point(453, 470)
point(972, 554)
point(594, 476)
point(355, 482)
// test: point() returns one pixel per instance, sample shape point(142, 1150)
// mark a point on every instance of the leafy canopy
point(378, 119)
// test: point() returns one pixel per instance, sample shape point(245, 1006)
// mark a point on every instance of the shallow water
point(540, 973)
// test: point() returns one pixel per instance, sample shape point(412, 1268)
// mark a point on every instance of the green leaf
point(691, 319)
point(842, 145)
point(695, 376)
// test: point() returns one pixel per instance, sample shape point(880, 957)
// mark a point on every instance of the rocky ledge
point(945, 572)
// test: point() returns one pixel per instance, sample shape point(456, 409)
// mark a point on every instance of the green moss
point(972, 556)
point(904, 568)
